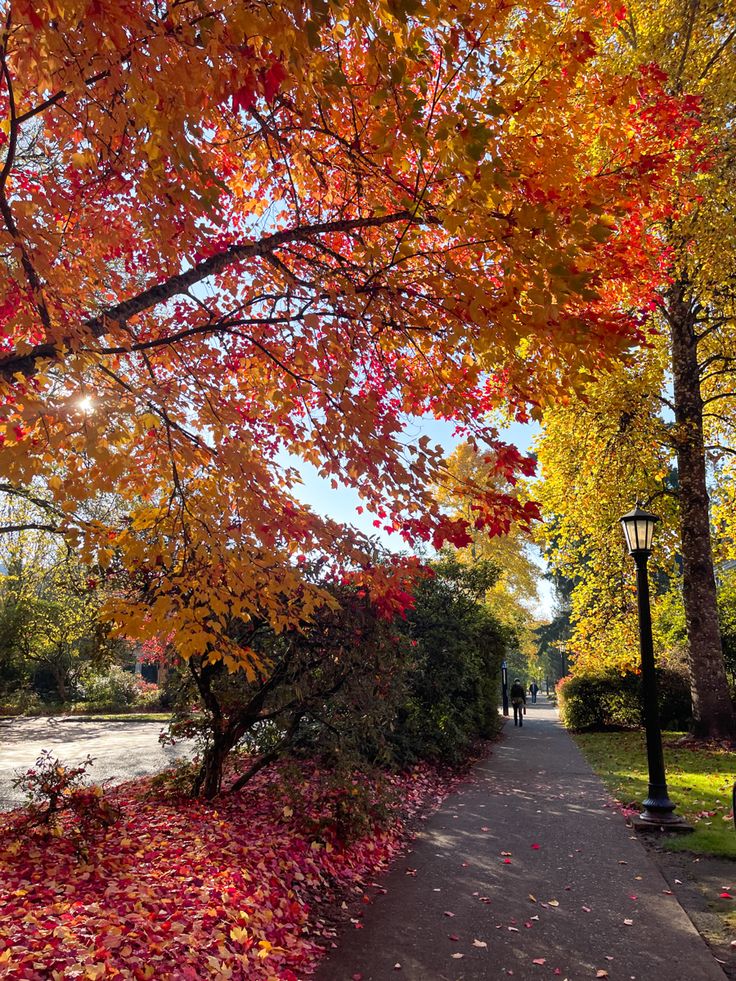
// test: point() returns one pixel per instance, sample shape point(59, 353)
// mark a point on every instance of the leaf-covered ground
point(180, 889)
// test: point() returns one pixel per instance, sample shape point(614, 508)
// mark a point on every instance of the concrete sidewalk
point(587, 900)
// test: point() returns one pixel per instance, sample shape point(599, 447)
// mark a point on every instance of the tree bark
point(209, 779)
point(712, 709)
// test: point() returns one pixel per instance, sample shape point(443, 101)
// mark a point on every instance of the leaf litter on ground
point(179, 888)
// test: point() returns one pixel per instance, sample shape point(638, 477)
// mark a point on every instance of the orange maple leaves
point(265, 234)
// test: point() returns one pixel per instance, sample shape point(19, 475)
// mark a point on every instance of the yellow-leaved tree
point(694, 46)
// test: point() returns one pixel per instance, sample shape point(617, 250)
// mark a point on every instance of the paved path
point(599, 903)
point(121, 750)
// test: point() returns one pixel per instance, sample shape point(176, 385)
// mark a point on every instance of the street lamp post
point(638, 526)
point(505, 687)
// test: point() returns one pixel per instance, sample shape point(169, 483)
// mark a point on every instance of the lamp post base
point(661, 821)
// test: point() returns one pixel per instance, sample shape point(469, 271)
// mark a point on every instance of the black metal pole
point(658, 807)
point(504, 688)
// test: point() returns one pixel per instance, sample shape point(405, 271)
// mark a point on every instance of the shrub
point(452, 692)
point(119, 689)
point(53, 789)
point(343, 803)
point(610, 700)
point(22, 702)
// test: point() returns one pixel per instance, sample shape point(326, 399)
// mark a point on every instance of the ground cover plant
point(700, 779)
point(178, 888)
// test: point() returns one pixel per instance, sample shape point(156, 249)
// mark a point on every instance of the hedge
point(610, 700)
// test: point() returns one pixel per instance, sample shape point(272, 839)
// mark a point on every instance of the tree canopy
point(666, 423)
point(234, 237)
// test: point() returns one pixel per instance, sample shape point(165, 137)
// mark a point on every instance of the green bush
point(452, 692)
point(610, 700)
point(22, 702)
point(119, 689)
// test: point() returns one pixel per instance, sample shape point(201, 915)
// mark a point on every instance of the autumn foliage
point(181, 890)
point(239, 237)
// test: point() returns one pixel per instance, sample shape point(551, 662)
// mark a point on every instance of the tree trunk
point(209, 778)
point(712, 708)
point(61, 685)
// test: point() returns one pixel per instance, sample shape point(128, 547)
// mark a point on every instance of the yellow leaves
point(149, 421)
point(95, 971)
point(84, 159)
point(104, 557)
point(265, 949)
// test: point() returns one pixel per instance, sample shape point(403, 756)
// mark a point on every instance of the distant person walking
point(518, 700)
point(533, 689)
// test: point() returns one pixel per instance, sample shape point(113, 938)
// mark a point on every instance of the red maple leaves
point(180, 889)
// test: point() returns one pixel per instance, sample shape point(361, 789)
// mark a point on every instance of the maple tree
point(353, 688)
point(693, 311)
point(241, 236)
point(512, 595)
point(326, 690)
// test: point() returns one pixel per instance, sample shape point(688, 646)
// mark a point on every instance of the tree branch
point(181, 283)
point(31, 526)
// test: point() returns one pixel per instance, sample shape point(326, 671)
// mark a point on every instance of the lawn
point(699, 780)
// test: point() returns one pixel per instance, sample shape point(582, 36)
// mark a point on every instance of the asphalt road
point(121, 750)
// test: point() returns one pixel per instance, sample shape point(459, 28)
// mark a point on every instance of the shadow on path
point(587, 900)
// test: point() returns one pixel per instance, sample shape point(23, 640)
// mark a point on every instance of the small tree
point(329, 689)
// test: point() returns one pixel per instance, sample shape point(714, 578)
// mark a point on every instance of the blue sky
point(341, 504)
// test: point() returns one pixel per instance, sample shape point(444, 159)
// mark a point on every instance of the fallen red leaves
point(189, 890)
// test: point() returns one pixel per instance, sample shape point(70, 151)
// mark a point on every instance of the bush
point(452, 692)
point(119, 689)
point(610, 700)
point(22, 702)
point(53, 790)
point(343, 803)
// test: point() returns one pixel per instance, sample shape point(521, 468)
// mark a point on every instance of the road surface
point(121, 750)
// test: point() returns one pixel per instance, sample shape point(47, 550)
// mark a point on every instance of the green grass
point(699, 780)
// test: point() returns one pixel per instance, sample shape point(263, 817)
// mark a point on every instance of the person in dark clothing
point(533, 689)
point(518, 700)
